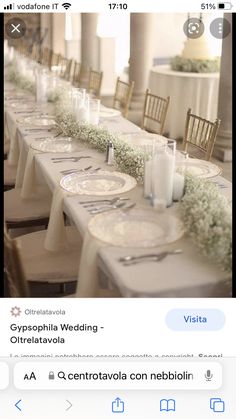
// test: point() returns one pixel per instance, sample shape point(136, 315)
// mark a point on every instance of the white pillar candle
point(178, 187)
point(163, 177)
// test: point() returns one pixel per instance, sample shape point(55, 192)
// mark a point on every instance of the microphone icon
point(208, 375)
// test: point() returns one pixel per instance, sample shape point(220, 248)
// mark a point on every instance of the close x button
point(15, 28)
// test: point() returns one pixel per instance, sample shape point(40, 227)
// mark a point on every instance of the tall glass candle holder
point(78, 98)
point(41, 79)
point(94, 111)
point(163, 169)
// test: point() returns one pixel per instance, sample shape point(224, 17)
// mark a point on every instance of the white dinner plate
point(37, 121)
point(109, 113)
point(22, 106)
point(143, 139)
point(199, 168)
point(15, 95)
point(137, 227)
point(102, 183)
point(57, 145)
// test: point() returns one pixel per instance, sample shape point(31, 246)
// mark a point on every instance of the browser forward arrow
point(69, 405)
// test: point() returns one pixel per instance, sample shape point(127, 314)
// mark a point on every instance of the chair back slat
point(155, 110)
point(123, 95)
point(200, 133)
point(13, 268)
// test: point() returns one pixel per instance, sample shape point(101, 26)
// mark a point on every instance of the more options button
point(199, 319)
point(4, 375)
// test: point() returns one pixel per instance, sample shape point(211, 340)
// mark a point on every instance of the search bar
point(118, 376)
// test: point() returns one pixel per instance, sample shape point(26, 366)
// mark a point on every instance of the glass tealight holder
point(163, 169)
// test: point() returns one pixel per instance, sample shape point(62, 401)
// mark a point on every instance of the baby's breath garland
point(207, 217)
point(127, 159)
point(18, 79)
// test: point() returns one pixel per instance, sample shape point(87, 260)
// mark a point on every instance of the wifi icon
point(66, 5)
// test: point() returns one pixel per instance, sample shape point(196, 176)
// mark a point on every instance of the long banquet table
point(187, 275)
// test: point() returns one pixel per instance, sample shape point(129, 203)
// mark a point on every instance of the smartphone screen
point(118, 293)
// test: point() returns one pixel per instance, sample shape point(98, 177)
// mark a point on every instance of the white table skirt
point(198, 91)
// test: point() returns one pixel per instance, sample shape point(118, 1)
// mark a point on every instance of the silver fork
point(101, 200)
point(67, 172)
point(118, 206)
point(99, 210)
point(94, 204)
point(133, 260)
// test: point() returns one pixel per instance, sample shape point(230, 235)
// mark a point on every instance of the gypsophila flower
point(207, 216)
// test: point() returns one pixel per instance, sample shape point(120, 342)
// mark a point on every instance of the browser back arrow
point(70, 405)
point(16, 405)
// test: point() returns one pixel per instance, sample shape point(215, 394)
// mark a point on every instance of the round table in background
point(198, 91)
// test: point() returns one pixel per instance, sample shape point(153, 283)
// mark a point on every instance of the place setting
point(199, 168)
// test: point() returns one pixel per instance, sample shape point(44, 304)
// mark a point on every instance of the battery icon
point(225, 6)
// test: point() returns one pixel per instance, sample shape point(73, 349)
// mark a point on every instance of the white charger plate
point(199, 168)
point(137, 227)
point(109, 112)
point(57, 145)
point(22, 106)
point(37, 121)
point(100, 184)
point(143, 139)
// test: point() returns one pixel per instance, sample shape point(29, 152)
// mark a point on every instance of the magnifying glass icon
point(61, 375)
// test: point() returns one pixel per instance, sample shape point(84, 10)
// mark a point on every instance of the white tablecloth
point(198, 91)
point(176, 280)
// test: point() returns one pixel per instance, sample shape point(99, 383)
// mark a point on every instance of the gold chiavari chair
point(65, 65)
point(95, 83)
point(123, 95)
point(55, 59)
point(154, 112)
point(76, 78)
point(200, 135)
